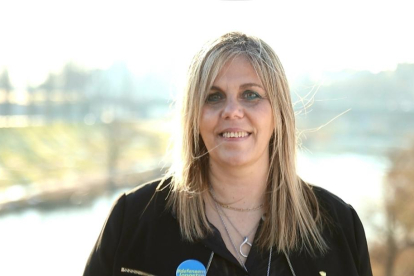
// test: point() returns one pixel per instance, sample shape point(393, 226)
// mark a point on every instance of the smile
point(238, 134)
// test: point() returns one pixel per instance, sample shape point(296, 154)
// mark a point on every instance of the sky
point(310, 37)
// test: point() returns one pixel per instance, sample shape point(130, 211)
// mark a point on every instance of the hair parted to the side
point(293, 221)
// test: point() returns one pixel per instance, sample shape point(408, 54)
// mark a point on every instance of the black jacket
point(141, 237)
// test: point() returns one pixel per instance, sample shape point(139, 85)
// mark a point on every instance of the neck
point(240, 187)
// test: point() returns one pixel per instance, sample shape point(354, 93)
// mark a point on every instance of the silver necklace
point(245, 238)
point(228, 234)
point(234, 246)
point(227, 206)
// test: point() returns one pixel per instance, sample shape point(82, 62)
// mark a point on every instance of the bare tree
point(399, 213)
point(49, 86)
point(5, 84)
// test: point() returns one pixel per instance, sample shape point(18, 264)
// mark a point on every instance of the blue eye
point(251, 95)
point(214, 97)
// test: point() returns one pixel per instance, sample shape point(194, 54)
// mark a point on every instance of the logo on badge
point(191, 268)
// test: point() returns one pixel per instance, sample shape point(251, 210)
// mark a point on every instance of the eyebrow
point(243, 86)
point(250, 84)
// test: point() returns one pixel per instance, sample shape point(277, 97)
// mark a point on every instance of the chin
point(233, 161)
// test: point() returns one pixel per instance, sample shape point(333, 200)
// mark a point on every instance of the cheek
point(206, 123)
point(264, 112)
point(208, 117)
point(267, 122)
point(271, 124)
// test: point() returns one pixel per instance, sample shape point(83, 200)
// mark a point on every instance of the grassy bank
point(68, 156)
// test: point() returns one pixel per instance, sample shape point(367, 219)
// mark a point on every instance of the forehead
point(237, 70)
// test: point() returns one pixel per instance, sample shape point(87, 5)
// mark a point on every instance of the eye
point(251, 95)
point(214, 97)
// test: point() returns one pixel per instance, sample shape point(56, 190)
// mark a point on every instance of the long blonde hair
point(293, 218)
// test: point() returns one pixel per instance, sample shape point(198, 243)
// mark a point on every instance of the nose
point(232, 110)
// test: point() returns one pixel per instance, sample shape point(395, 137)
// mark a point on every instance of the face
point(236, 121)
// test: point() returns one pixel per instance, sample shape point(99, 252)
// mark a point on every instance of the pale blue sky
point(161, 36)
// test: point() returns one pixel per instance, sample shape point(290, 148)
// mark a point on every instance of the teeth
point(235, 134)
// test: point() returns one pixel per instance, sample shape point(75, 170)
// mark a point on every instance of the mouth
point(235, 134)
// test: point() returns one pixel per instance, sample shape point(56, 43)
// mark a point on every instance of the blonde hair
point(293, 218)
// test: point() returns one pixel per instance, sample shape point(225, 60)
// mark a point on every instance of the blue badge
point(191, 268)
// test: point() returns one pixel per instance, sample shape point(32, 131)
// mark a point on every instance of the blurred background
point(87, 93)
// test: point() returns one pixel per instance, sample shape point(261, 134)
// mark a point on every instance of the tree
point(398, 228)
point(5, 85)
point(75, 81)
point(49, 86)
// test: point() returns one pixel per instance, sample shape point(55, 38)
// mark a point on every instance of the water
point(357, 179)
point(59, 242)
point(51, 243)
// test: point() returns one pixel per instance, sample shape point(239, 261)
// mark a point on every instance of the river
point(58, 242)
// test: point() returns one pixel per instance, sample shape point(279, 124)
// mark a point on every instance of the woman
point(232, 203)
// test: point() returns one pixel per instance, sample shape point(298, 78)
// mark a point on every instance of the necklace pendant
point(245, 242)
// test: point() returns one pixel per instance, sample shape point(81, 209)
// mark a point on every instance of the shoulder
point(130, 206)
point(344, 235)
point(334, 209)
point(151, 195)
point(344, 231)
point(147, 190)
point(126, 226)
point(340, 217)
point(139, 209)
point(328, 199)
